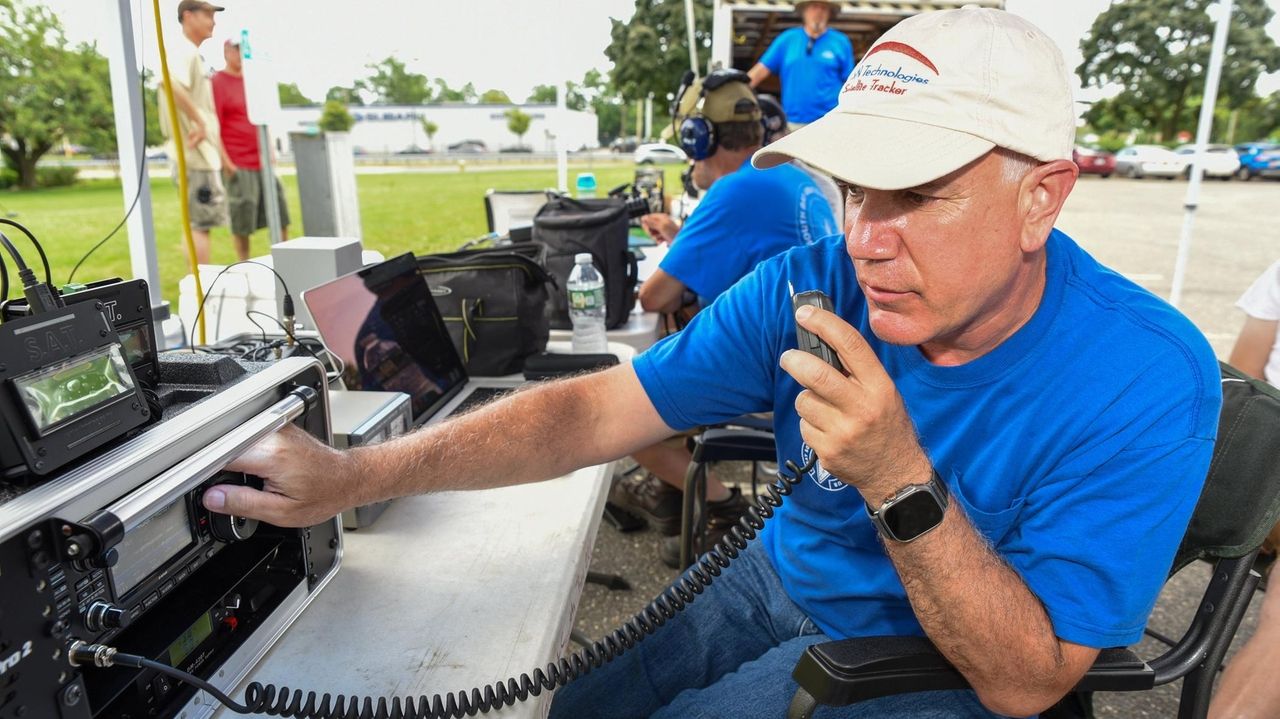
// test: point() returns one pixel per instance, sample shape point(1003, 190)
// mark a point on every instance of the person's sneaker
point(721, 517)
point(651, 498)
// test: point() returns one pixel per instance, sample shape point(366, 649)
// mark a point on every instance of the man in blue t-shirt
point(745, 216)
point(812, 62)
point(1009, 456)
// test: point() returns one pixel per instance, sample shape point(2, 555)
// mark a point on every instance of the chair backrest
point(1240, 502)
point(509, 209)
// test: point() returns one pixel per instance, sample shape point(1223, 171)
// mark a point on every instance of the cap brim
point(875, 152)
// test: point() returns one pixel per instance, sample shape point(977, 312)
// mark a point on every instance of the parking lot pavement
point(1133, 226)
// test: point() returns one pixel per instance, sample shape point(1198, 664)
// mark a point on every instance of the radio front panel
point(125, 553)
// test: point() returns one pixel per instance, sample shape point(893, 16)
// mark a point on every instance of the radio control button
point(168, 585)
point(83, 582)
point(104, 615)
point(150, 600)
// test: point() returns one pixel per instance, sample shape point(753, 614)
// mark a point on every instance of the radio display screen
point(147, 548)
point(137, 347)
point(190, 639)
point(55, 395)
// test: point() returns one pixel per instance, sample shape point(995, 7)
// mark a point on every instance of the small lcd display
point(190, 639)
point(137, 345)
point(147, 548)
point(57, 394)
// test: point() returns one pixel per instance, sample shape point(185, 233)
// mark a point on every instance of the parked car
point(1093, 161)
point(624, 144)
point(1139, 161)
point(1258, 159)
point(1219, 161)
point(659, 152)
point(473, 146)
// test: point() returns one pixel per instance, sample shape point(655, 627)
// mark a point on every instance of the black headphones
point(697, 134)
point(772, 116)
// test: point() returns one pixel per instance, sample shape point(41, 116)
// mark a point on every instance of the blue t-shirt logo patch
point(820, 476)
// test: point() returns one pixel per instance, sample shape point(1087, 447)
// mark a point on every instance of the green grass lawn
point(417, 212)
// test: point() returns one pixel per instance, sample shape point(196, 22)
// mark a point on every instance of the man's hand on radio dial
point(302, 482)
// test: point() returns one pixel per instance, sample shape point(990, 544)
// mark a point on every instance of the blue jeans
point(730, 654)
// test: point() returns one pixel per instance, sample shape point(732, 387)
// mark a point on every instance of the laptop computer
point(382, 321)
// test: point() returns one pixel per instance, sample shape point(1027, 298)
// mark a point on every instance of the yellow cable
point(179, 146)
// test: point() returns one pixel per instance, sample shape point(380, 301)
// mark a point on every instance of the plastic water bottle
point(587, 306)
point(586, 185)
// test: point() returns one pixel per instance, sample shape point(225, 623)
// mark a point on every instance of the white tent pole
point(562, 150)
point(1202, 139)
point(693, 47)
point(126, 98)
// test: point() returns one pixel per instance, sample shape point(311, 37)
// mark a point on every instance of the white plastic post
point(1202, 139)
point(693, 46)
point(562, 150)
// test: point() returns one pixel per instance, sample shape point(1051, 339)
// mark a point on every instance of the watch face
point(912, 515)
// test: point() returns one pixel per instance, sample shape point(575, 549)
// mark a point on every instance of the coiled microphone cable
point(281, 701)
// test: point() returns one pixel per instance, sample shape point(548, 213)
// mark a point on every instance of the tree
point(1158, 50)
point(650, 52)
point(1259, 119)
point(429, 128)
point(349, 96)
point(542, 95)
point(290, 95)
point(393, 84)
point(495, 97)
point(335, 117)
point(518, 124)
point(595, 93)
point(48, 90)
point(102, 139)
point(444, 93)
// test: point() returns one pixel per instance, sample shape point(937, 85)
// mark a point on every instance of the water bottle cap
point(582, 258)
point(586, 181)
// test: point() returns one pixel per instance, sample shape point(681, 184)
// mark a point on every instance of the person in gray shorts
point(198, 128)
point(245, 191)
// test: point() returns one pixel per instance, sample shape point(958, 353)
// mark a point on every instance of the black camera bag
point(494, 302)
point(597, 226)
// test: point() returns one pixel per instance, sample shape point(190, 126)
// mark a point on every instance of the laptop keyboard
point(479, 396)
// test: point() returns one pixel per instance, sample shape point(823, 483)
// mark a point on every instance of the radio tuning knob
point(230, 528)
point(104, 615)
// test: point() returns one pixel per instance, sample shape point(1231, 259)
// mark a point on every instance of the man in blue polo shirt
point(811, 61)
point(1009, 457)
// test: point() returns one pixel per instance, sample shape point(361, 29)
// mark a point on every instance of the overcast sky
point(510, 45)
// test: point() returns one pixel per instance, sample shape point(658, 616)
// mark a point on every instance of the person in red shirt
point(247, 204)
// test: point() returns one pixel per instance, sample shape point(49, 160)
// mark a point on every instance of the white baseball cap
point(936, 92)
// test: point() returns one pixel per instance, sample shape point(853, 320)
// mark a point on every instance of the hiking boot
point(721, 517)
point(650, 498)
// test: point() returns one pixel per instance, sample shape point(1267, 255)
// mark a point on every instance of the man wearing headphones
point(745, 216)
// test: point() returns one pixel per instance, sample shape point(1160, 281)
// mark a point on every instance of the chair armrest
point(735, 445)
point(854, 670)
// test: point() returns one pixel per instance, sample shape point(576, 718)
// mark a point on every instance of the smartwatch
point(913, 512)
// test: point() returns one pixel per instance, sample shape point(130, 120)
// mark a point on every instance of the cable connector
point(99, 655)
point(40, 297)
point(288, 319)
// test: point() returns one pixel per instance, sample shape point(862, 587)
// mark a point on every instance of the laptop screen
point(385, 326)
